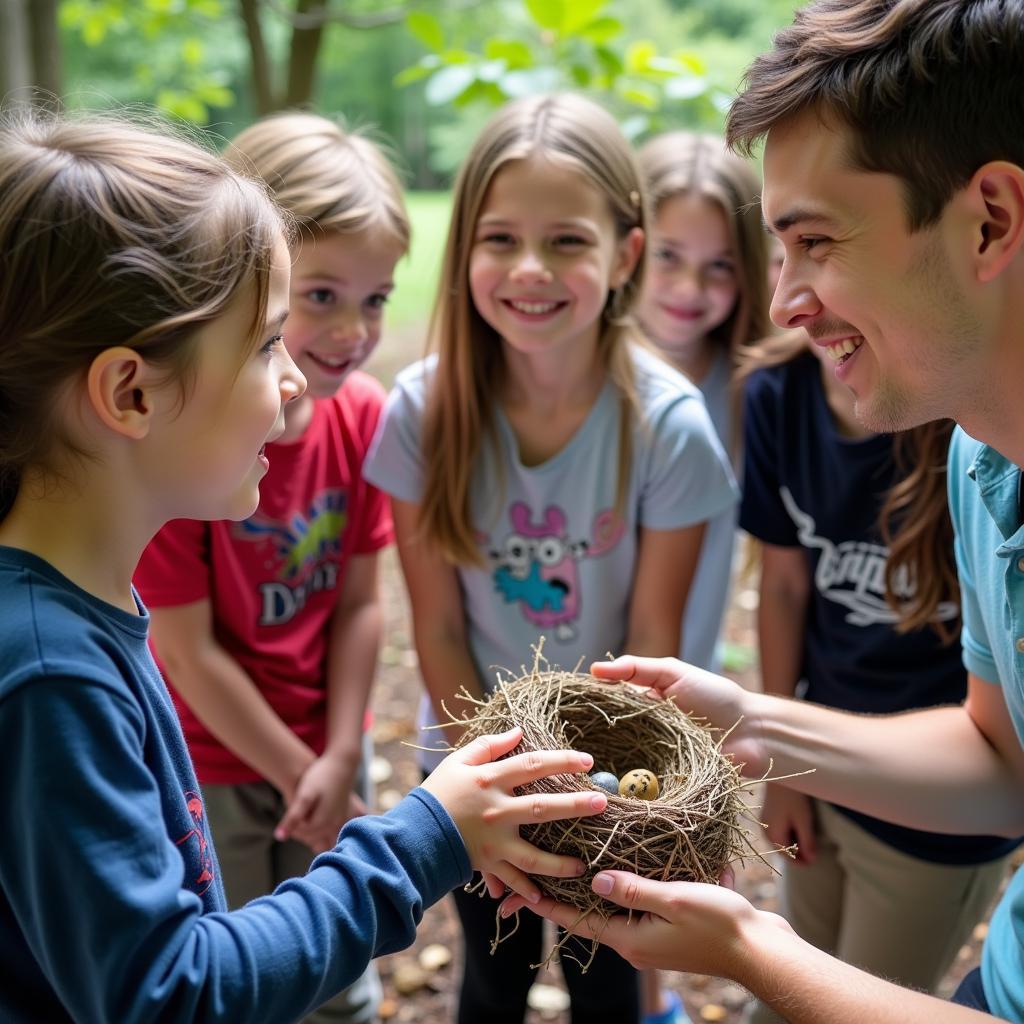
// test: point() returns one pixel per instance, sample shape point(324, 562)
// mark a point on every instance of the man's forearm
point(930, 769)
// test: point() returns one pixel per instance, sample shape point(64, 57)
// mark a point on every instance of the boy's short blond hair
point(329, 179)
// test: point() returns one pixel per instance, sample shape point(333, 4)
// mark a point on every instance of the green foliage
point(162, 47)
point(554, 45)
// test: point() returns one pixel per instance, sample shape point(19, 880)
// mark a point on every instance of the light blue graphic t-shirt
point(559, 558)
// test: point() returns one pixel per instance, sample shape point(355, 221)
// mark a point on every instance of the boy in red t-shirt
point(268, 629)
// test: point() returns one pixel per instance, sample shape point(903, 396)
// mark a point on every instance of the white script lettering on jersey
point(852, 573)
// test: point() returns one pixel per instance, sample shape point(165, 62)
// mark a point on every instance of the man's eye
point(809, 242)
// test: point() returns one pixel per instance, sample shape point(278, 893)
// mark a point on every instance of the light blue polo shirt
point(984, 504)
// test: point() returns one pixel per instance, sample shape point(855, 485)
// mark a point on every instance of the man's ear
point(120, 391)
point(996, 192)
point(630, 250)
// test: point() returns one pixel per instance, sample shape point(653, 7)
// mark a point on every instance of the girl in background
point(858, 611)
point(702, 300)
point(268, 629)
point(549, 476)
point(142, 377)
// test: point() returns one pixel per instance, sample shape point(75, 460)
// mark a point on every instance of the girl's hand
point(725, 704)
point(674, 926)
point(476, 790)
point(790, 819)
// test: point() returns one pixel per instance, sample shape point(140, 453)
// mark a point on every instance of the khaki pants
point(870, 905)
point(253, 863)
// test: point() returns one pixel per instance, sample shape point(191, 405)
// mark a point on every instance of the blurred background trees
point(425, 72)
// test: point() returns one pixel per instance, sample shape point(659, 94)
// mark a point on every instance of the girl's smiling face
point(340, 285)
point(691, 285)
point(545, 255)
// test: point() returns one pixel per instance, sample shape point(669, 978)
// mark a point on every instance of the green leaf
point(457, 57)
point(547, 13)
point(213, 94)
point(581, 75)
point(412, 74)
point(514, 53)
point(182, 105)
point(639, 54)
point(192, 52)
point(602, 30)
point(94, 29)
point(691, 61)
point(640, 94)
point(427, 29)
point(578, 13)
point(610, 61)
point(447, 83)
point(480, 92)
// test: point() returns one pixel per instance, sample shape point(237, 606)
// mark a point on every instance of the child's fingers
point(521, 769)
point(510, 877)
point(298, 812)
point(495, 886)
point(526, 857)
point(489, 748)
point(536, 807)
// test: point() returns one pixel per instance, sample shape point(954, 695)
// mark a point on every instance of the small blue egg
point(606, 781)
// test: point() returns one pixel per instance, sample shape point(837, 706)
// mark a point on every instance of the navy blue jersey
point(807, 486)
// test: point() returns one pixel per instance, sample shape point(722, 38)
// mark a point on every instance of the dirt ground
point(426, 994)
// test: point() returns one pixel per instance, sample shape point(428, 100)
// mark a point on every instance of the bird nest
point(690, 832)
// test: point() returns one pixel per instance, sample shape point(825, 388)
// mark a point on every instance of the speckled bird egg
point(607, 781)
point(639, 783)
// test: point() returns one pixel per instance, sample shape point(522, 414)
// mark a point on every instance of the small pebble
point(606, 781)
point(639, 783)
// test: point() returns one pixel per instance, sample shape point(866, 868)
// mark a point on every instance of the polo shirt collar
point(998, 481)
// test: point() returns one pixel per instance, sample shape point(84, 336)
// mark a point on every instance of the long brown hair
point(470, 364)
point(920, 572)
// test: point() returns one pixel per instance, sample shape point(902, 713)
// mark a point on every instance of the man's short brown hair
point(931, 89)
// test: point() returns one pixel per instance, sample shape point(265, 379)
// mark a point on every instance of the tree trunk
point(259, 62)
point(302, 59)
point(44, 40)
point(15, 68)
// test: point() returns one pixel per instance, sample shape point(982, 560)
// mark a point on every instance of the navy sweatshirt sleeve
point(102, 924)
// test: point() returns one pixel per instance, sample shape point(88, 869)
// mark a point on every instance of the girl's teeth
point(533, 307)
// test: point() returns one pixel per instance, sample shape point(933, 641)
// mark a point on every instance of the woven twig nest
point(689, 833)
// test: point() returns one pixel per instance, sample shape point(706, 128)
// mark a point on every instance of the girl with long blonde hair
point(550, 476)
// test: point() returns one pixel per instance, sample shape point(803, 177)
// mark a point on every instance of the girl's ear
point(628, 253)
point(119, 390)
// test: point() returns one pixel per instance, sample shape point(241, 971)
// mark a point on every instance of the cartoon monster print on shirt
point(537, 565)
